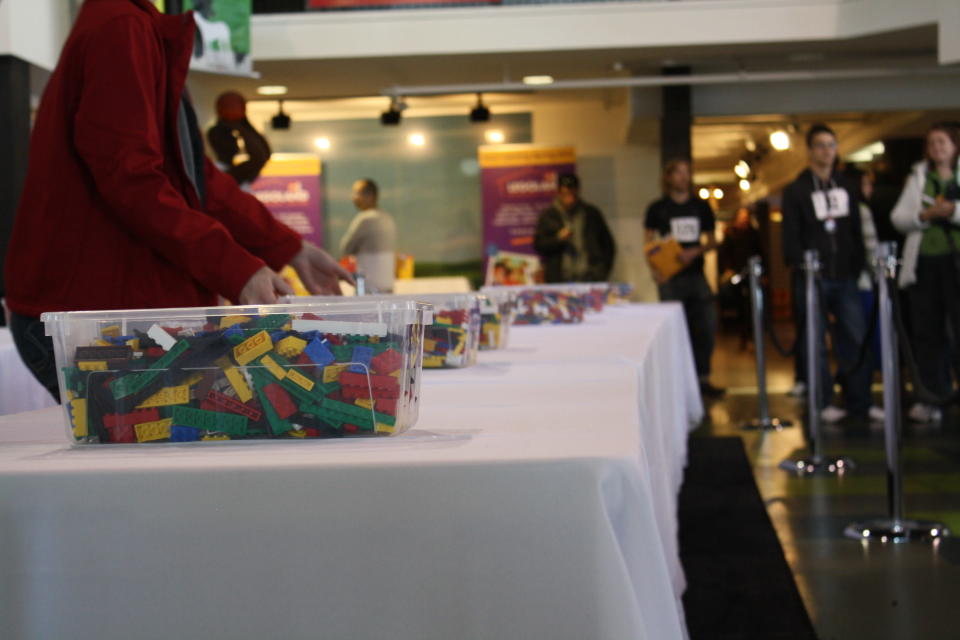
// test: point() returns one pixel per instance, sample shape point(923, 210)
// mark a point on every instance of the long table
point(535, 498)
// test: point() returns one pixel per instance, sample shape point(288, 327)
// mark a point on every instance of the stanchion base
point(828, 466)
point(887, 530)
point(773, 424)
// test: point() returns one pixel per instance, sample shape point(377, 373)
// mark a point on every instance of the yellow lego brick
point(92, 365)
point(194, 378)
point(156, 430)
point(384, 428)
point(236, 379)
point(134, 344)
point(298, 378)
point(429, 344)
point(167, 396)
point(433, 362)
point(442, 320)
point(395, 374)
point(78, 416)
point(113, 331)
point(278, 372)
point(102, 343)
point(366, 403)
point(297, 433)
point(331, 373)
point(291, 346)
point(215, 438)
point(228, 321)
point(252, 348)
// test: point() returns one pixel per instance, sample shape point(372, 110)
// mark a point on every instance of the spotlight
point(391, 117)
point(704, 193)
point(744, 185)
point(742, 169)
point(718, 194)
point(480, 113)
point(494, 136)
point(281, 120)
point(322, 143)
point(780, 140)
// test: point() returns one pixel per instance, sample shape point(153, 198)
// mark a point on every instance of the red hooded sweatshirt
point(108, 218)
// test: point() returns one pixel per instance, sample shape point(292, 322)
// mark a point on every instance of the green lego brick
point(210, 420)
point(342, 352)
point(271, 322)
point(131, 384)
point(261, 379)
point(72, 380)
point(346, 412)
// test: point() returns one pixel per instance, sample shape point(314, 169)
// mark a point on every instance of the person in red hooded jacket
point(120, 208)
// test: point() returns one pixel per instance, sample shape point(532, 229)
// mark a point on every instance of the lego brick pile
point(542, 306)
point(495, 319)
point(596, 297)
point(448, 341)
point(238, 377)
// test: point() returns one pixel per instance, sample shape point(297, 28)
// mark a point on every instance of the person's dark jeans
point(935, 320)
point(691, 289)
point(841, 299)
point(36, 351)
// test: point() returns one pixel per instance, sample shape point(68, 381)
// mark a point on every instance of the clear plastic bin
point(496, 316)
point(547, 303)
point(619, 293)
point(453, 339)
point(290, 371)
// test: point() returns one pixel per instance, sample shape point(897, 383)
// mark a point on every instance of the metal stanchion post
point(892, 528)
point(764, 422)
point(816, 464)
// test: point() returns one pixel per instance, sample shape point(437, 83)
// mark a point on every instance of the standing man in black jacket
point(572, 238)
point(820, 212)
point(690, 221)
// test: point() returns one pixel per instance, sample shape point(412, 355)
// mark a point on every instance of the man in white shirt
point(372, 238)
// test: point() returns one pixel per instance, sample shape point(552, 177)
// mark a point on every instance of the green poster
point(223, 35)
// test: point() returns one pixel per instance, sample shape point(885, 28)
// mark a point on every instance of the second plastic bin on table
point(546, 303)
point(291, 371)
point(452, 340)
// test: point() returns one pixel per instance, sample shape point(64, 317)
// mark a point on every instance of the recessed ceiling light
point(272, 90)
point(494, 136)
point(780, 140)
point(322, 143)
point(417, 139)
point(537, 80)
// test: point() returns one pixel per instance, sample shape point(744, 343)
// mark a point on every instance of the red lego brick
point(350, 428)
point(154, 352)
point(122, 434)
point(280, 400)
point(387, 362)
point(386, 405)
point(383, 386)
point(221, 402)
point(311, 432)
point(112, 420)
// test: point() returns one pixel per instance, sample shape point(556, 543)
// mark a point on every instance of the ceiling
point(372, 76)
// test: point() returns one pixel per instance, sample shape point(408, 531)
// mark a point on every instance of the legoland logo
point(293, 194)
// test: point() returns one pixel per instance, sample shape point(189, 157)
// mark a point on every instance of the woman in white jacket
point(928, 214)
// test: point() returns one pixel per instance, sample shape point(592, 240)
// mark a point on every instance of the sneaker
point(877, 414)
point(799, 390)
point(832, 414)
point(710, 391)
point(920, 412)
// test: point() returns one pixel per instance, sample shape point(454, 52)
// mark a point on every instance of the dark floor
point(851, 589)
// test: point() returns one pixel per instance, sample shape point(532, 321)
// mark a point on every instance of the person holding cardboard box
point(679, 232)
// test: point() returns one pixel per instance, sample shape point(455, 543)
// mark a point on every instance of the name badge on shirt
point(685, 229)
point(834, 203)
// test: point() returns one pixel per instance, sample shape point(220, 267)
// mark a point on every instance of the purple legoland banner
point(289, 186)
point(517, 182)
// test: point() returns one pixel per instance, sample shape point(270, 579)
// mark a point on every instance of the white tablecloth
point(19, 390)
point(534, 499)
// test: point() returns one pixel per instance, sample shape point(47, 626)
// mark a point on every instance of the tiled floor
point(852, 590)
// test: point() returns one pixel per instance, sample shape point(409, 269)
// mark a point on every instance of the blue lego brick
point(361, 354)
point(184, 434)
point(319, 353)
